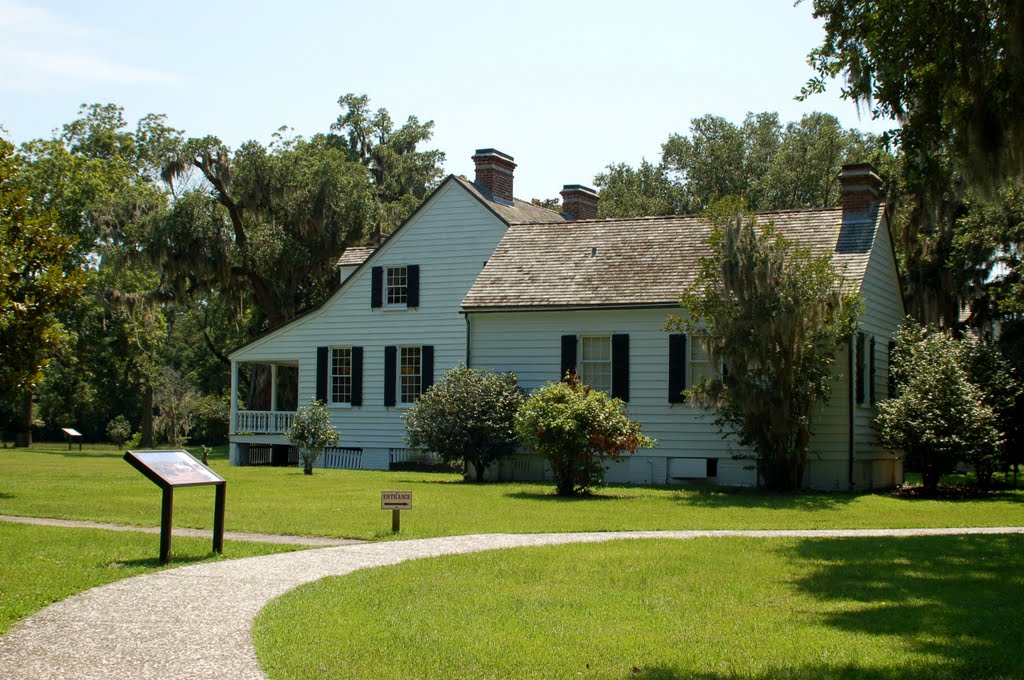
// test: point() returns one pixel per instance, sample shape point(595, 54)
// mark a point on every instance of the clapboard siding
point(450, 239)
point(529, 344)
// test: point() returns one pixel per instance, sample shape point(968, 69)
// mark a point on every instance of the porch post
point(234, 397)
point(273, 387)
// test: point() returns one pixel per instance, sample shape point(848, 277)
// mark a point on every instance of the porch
point(264, 396)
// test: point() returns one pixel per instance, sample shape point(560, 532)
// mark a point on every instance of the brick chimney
point(494, 171)
point(579, 201)
point(862, 188)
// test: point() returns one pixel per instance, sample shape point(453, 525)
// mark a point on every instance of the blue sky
point(564, 87)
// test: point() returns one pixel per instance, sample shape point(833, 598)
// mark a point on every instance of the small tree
point(468, 415)
point(775, 316)
point(940, 417)
point(119, 430)
point(312, 432)
point(577, 428)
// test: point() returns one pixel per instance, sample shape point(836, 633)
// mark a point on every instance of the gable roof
point(510, 212)
point(645, 261)
point(354, 255)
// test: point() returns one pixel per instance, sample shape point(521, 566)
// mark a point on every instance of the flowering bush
point(577, 428)
point(312, 432)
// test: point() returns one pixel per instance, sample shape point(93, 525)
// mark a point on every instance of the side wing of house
point(389, 331)
point(627, 352)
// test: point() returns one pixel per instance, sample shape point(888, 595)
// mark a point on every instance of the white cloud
point(42, 51)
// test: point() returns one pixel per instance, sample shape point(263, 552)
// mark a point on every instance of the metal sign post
point(170, 469)
point(396, 501)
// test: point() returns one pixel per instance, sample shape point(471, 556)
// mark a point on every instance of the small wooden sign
point(396, 500)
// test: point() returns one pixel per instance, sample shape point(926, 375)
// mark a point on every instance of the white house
point(477, 276)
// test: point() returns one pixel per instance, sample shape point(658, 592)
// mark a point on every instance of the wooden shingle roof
point(514, 211)
point(641, 261)
point(355, 255)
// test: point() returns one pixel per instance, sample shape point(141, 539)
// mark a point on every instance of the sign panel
point(396, 500)
point(172, 468)
point(71, 432)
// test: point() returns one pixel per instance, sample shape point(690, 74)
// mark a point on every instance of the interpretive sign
point(170, 469)
point(396, 501)
point(71, 434)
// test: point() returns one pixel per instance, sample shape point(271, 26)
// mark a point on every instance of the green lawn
point(939, 607)
point(40, 565)
point(96, 484)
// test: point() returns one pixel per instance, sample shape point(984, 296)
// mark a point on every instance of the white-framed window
point(341, 375)
point(596, 361)
point(701, 366)
point(396, 286)
point(410, 374)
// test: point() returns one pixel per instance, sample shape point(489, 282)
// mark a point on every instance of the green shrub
point(577, 428)
point(212, 420)
point(312, 432)
point(468, 416)
point(119, 430)
point(940, 416)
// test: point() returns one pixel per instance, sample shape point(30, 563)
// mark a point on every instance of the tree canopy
point(949, 72)
point(771, 165)
point(773, 316)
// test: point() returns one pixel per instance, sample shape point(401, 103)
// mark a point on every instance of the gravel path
point(312, 541)
point(195, 621)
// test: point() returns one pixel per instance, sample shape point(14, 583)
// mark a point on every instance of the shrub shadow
point(710, 496)
point(552, 496)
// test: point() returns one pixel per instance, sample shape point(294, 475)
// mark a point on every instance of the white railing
point(340, 458)
point(264, 422)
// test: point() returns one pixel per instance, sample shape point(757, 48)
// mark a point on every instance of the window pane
point(597, 349)
point(409, 372)
point(596, 362)
point(341, 375)
point(396, 286)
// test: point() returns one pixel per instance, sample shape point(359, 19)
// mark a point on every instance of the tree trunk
point(24, 437)
point(146, 426)
point(479, 471)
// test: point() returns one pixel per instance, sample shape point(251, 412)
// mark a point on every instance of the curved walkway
point(195, 621)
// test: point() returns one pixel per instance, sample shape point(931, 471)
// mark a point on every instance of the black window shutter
point(568, 355)
point(676, 368)
point(412, 285)
point(377, 287)
point(322, 372)
point(620, 366)
point(357, 376)
point(860, 368)
point(871, 370)
point(892, 378)
point(390, 374)
point(427, 366)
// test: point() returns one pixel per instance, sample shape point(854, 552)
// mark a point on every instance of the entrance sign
point(396, 501)
point(170, 469)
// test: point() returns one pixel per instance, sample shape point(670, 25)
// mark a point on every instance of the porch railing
point(264, 422)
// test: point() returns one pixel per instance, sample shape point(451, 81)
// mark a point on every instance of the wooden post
point(218, 519)
point(166, 513)
point(396, 521)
